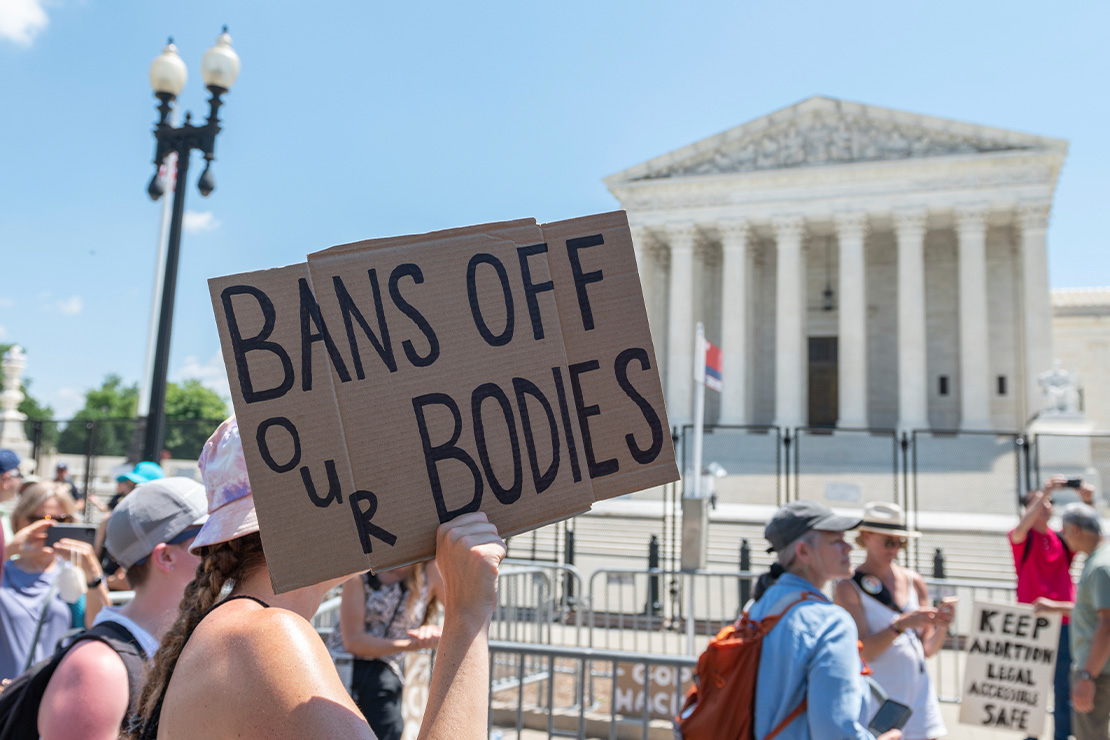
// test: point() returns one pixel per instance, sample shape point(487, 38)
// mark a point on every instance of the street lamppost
point(219, 67)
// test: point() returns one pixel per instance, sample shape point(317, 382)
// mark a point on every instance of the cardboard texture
point(386, 386)
point(1011, 661)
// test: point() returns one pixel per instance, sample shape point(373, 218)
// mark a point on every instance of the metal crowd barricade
point(579, 692)
point(948, 663)
point(624, 616)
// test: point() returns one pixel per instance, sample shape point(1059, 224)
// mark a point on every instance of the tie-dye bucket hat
point(230, 504)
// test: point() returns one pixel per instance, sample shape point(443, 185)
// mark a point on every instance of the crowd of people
point(205, 628)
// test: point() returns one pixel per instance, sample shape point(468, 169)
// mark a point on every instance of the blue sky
point(353, 120)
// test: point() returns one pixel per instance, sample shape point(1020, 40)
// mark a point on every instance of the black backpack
point(19, 701)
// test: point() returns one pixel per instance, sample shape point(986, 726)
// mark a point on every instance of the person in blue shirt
point(812, 654)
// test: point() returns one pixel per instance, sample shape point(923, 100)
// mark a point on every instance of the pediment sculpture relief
point(824, 139)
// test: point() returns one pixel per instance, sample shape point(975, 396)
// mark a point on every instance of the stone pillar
point(852, 330)
point(791, 407)
point(680, 325)
point(734, 321)
point(975, 386)
point(913, 401)
point(1033, 222)
point(12, 436)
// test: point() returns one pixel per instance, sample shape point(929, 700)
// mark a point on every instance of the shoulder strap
point(883, 596)
point(1063, 542)
point(789, 718)
point(130, 651)
point(150, 727)
point(1028, 544)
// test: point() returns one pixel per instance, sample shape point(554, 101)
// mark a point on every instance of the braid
point(223, 563)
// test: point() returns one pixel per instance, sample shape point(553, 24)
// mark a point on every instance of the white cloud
point(211, 374)
point(71, 306)
point(67, 401)
point(6, 301)
point(21, 20)
point(3, 332)
point(198, 221)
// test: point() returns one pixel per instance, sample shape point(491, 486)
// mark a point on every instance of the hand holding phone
point(80, 532)
point(892, 715)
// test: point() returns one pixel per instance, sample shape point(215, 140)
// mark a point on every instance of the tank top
point(150, 729)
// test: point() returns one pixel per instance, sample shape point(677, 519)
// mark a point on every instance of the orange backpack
point(721, 703)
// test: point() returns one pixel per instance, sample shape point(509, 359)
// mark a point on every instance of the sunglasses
point(894, 542)
point(63, 519)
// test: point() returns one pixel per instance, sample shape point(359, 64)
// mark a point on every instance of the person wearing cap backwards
point(89, 696)
point(898, 628)
point(253, 661)
point(810, 665)
point(142, 473)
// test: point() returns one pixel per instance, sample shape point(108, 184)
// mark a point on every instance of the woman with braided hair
point(251, 665)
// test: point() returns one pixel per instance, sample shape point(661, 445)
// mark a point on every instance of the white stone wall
point(1082, 344)
point(942, 327)
point(882, 329)
point(1004, 324)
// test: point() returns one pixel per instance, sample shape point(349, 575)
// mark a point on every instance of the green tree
point(108, 415)
point(192, 413)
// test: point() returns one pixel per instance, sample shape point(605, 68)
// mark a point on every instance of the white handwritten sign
point(1011, 659)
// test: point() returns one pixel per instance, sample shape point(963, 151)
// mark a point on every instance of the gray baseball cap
point(798, 517)
point(155, 512)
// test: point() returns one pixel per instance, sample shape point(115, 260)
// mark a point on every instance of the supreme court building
point(858, 266)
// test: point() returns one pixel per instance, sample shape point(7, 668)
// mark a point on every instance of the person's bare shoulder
point(845, 592)
point(277, 679)
point(87, 696)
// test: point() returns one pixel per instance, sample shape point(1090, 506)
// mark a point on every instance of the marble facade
point(859, 267)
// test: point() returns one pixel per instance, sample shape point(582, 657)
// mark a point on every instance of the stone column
point(680, 325)
point(975, 387)
point(1033, 221)
point(790, 315)
point(734, 321)
point(913, 402)
point(12, 436)
point(852, 330)
point(645, 267)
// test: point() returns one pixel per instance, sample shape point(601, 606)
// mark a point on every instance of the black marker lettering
point(240, 347)
point(620, 367)
point(506, 336)
point(481, 393)
point(264, 445)
point(334, 494)
point(604, 467)
point(523, 388)
point(366, 528)
point(413, 271)
point(532, 290)
point(310, 310)
point(568, 429)
point(350, 311)
point(582, 279)
point(448, 450)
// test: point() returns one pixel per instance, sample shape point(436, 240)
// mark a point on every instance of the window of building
point(1002, 385)
point(943, 385)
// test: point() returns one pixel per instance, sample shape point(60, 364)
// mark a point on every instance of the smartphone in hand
point(82, 532)
point(892, 715)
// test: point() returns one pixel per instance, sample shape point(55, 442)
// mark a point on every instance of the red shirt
point(1046, 570)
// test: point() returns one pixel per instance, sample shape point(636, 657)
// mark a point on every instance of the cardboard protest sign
point(387, 386)
point(664, 688)
point(1011, 658)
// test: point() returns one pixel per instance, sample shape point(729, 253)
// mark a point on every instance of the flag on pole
point(707, 364)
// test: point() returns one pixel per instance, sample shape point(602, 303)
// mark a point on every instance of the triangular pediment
point(822, 131)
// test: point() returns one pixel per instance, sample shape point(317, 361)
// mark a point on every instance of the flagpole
point(699, 407)
point(156, 295)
